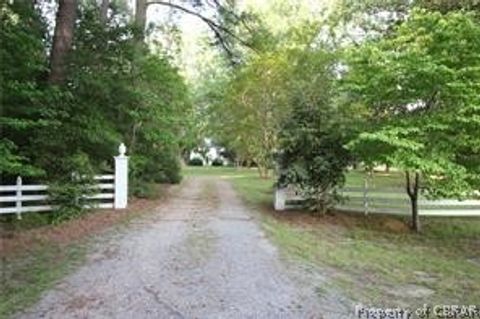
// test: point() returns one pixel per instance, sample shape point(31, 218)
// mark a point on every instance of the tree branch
point(215, 27)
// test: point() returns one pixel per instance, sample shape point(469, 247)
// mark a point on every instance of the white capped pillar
point(121, 178)
point(280, 199)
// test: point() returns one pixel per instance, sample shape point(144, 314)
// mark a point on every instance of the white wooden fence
point(112, 192)
point(385, 201)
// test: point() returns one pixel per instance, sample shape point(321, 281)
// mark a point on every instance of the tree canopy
point(302, 88)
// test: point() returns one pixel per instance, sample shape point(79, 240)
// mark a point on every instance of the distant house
point(208, 153)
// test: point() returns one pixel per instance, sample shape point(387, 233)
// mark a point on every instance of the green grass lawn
point(374, 259)
point(379, 180)
point(353, 178)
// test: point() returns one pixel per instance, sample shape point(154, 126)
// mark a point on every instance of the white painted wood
point(13, 188)
point(102, 196)
point(279, 203)
point(104, 177)
point(373, 200)
point(365, 197)
point(373, 210)
point(44, 208)
point(18, 203)
point(121, 178)
point(450, 202)
point(450, 212)
point(25, 209)
point(104, 186)
point(386, 190)
point(389, 203)
point(117, 198)
point(23, 198)
point(100, 205)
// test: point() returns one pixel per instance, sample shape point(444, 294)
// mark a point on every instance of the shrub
point(164, 167)
point(217, 162)
point(69, 193)
point(160, 166)
point(195, 162)
point(143, 189)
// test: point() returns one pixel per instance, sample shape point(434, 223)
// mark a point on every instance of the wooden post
point(18, 202)
point(365, 194)
point(279, 203)
point(121, 178)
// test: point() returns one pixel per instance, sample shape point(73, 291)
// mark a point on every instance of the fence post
point(121, 178)
point(365, 195)
point(279, 199)
point(18, 201)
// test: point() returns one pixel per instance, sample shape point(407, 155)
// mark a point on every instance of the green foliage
point(248, 113)
point(145, 171)
point(217, 162)
point(21, 30)
point(421, 86)
point(70, 191)
point(14, 164)
point(116, 91)
point(312, 156)
point(195, 162)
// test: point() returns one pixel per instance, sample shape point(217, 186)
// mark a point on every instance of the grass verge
point(376, 259)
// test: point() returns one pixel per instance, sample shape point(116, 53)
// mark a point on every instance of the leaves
point(116, 91)
point(421, 84)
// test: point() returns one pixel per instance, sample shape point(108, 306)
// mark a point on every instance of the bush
point(195, 162)
point(69, 192)
point(164, 167)
point(160, 166)
point(143, 189)
point(217, 162)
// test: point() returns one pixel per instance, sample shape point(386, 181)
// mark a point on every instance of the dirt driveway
point(202, 255)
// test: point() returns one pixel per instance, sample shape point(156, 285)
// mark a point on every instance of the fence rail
point(112, 192)
point(40, 201)
point(385, 201)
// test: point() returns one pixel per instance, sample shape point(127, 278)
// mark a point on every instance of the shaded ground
point(202, 255)
point(16, 239)
point(375, 260)
point(33, 257)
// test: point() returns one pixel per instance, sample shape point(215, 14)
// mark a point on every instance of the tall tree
point(104, 10)
point(421, 86)
point(252, 107)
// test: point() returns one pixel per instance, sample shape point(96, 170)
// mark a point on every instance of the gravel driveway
point(201, 255)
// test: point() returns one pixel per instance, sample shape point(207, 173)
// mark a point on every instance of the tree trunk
point(104, 10)
point(62, 41)
point(141, 18)
point(415, 218)
point(412, 191)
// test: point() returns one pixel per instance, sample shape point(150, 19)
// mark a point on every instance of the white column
point(121, 178)
point(18, 193)
point(279, 199)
